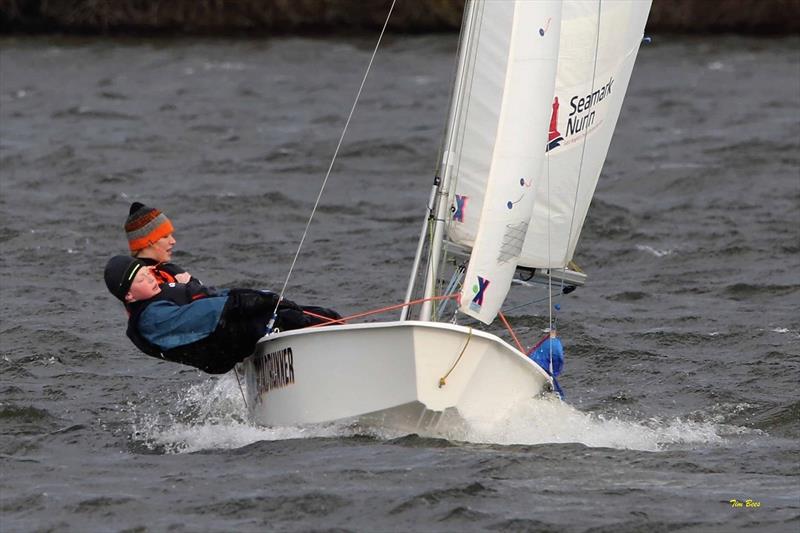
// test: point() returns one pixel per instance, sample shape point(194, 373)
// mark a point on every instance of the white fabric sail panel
point(480, 99)
point(585, 109)
point(516, 159)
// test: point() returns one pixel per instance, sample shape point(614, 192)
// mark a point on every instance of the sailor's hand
point(183, 277)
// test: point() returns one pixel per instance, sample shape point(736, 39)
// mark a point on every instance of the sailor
point(150, 239)
point(196, 325)
point(548, 353)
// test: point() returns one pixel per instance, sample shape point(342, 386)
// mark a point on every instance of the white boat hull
point(389, 374)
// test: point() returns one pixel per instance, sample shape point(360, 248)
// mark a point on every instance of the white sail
point(500, 149)
point(599, 43)
point(479, 98)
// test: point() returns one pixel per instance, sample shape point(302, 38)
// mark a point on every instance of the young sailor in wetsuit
point(196, 325)
point(150, 239)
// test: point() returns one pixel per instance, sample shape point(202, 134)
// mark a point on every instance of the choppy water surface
point(683, 350)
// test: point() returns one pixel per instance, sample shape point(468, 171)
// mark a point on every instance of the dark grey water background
point(683, 350)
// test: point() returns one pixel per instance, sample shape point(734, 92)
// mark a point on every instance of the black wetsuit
point(243, 322)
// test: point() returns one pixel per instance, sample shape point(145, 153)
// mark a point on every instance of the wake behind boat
point(538, 90)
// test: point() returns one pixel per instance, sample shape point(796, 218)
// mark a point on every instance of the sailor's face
point(144, 286)
point(161, 250)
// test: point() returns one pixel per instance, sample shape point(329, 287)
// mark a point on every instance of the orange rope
point(375, 311)
point(513, 335)
point(329, 320)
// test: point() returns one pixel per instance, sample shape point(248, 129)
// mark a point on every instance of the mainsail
point(540, 90)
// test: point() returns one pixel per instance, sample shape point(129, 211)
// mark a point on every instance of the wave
point(211, 415)
point(653, 251)
point(746, 291)
point(87, 112)
point(553, 421)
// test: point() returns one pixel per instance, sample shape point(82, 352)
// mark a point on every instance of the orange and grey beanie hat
point(145, 225)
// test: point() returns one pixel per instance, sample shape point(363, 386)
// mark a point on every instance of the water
point(683, 352)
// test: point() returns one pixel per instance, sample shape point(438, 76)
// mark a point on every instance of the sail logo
point(554, 137)
point(580, 119)
point(583, 114)
point(460, 208)
point(480, 290)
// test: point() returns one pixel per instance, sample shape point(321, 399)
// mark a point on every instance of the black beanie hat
point(135, 206)
point(119, 274)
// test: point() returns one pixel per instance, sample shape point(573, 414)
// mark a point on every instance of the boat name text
point(274, 370)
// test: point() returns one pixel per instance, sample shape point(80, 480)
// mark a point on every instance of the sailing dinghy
point(538, 89)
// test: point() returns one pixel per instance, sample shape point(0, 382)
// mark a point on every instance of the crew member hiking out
point(195, 325)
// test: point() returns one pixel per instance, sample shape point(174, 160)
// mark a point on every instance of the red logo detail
point(554, 138)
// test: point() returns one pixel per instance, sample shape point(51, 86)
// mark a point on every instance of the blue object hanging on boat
point(549, 354)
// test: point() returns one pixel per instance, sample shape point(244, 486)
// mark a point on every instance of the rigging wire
point(549, 268)
point(575, 199)
point(586, 130)
point(431, 224)
point(239, 382)
point(549, 265)
point(536, 301)
point(330, 167)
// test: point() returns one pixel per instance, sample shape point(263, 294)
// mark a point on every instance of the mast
point(437, 202)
